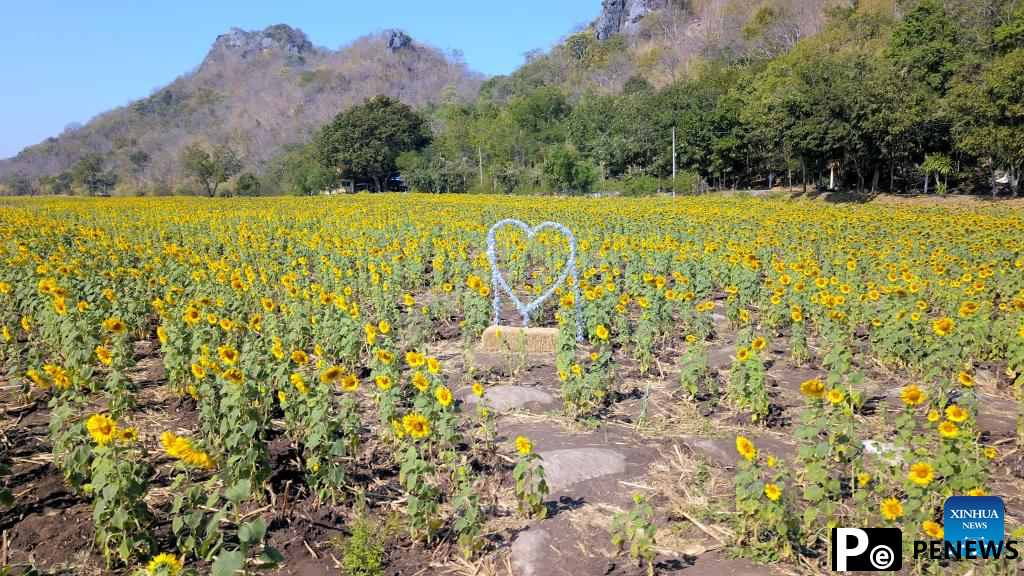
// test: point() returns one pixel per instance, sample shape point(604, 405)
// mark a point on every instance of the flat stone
point(504, 397)
point(529, 550)
point(563, 468)
point(721, 358)
point(722, 451)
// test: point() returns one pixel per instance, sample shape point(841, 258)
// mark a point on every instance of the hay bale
point(536, 340)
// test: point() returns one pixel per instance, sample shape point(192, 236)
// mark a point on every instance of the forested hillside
point(906, 96)
point(873, 95)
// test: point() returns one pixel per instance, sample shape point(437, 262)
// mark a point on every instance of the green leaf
point(270, 557)
point(252, 533)
point(227, 563)
point(239, 492)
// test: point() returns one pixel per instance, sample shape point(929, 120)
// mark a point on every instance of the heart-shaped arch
point(501, 285)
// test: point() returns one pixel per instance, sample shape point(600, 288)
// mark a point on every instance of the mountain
point(255, 91)
point(662, 40)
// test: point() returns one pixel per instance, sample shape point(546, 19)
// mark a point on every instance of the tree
point(88, 173)
point(248, 185)
point(941, 166)
point(18, 185)
point(364, 142)
point(209, 170)
point(296, 173)
point(55, 183)
point(925, 45)
point(990, 117)
point(567, 170)
point(137, 162)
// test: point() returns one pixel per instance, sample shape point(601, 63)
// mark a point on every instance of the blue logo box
point(974, 518)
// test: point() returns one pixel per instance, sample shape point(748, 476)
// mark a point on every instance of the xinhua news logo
point(973, 527)
point(867, 549)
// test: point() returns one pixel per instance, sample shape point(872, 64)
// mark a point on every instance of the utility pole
point(673, 161)
point(480, 162)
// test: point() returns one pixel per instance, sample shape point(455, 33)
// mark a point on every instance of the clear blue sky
point(65, 62)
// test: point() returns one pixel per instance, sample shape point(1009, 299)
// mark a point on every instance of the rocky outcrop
point(280, 37)
point(398, 41)
point(624, 15)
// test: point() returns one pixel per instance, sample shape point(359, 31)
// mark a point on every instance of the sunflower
point(102, 428)
point(934, 416)
point(746, 448)
point(758, 343)
point(163, 564)
point(478, 389)
point(601, 332)
point(433, 365)
point(299, 382)
point(990, 453)
point(836, 396)
point(742, 354)
point(948, 430)
point(197, 459)
point(912, 395)
point(397, 426)
point(976, 492)
point(60, 306)
point(813, 388)
point(277, 349)
point(175, 446)
point(385, 356)
point(863, 478)
point(892, 508)
point(921, 473)
point(416, 425)
point(115, 325)
point(300, 357)
point(443, 395)
point(420, 381)
point(228, 355)
point(234, 375)
point(409, 300)
point(415, 359)
point(523, 445)
point(161, 334)
point(128, 434)
point(371, 333)
point(383, 327)
point(772, 491)
point(331, 375)
point(956, 413)
point(104, 355)
point(943, 326)
point(965, 379)
point(932, 529)
point(350, 383)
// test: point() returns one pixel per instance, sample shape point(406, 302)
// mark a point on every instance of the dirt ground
point(679, 452)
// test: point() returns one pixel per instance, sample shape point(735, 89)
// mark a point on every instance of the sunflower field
point(204, 377)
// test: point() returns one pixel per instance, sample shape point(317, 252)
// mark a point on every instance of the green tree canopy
point(365, 141)
point(209, 170)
